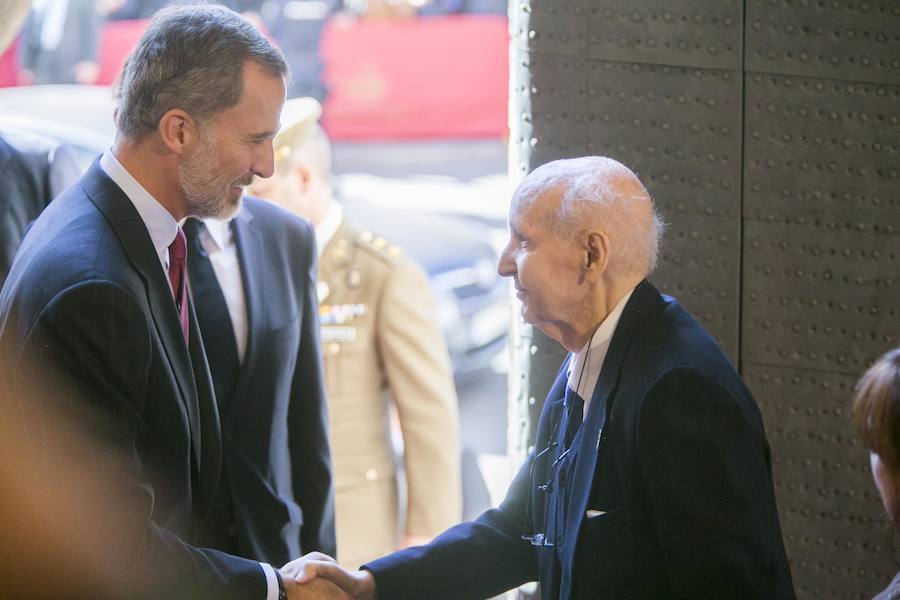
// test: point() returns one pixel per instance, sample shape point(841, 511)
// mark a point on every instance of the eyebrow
point(261, 137)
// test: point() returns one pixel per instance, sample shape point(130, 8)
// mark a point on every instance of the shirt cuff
point(271, 581)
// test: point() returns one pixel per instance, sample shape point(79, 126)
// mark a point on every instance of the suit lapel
point(249, 242)
point(641, 301)
point(132, 233)
point(211, 456)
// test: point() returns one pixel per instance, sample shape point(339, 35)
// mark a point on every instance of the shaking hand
point(317, 569)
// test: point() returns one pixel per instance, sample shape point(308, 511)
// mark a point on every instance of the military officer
point(380, 340)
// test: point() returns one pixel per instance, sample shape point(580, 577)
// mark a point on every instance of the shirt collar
point(585, 365)
point(328, 226)
point(161, 225)
point(220, 232)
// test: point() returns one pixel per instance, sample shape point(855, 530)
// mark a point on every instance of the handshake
point(317, 576)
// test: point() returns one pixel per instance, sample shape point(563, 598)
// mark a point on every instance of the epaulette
point(377, 246)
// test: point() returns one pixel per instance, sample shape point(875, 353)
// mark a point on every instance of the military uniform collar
point(328, 226)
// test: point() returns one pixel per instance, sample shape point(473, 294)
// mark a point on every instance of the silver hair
point(192, 58)
point(598, 190)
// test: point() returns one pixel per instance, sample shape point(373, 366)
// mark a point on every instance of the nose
point(506, 265)
point(264, 163)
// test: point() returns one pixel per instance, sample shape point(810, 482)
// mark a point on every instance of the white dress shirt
point(584, 367)
point(163, 228)
point(217, 239)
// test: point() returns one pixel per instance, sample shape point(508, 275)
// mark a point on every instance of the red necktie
point(177, 269)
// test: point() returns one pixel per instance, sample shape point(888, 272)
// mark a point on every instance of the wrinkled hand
point(317, 567)
point(318, 589)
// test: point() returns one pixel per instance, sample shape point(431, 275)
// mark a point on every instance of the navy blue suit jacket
point(274, 424)
point(88, 304)
point(673, 465)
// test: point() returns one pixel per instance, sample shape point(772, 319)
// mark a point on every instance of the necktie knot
point(177, 250)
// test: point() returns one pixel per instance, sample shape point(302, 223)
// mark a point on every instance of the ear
point(178, 131)
point(596, 257)
point(303, 177)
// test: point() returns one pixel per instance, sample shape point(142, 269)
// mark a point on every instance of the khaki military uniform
point(381, 339)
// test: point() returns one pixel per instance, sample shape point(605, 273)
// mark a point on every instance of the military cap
point(299, 120)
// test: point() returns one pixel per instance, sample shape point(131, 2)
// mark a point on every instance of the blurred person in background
point(67, 526)
point(380, 334)
point(444, 7)
point(60, 42)
point(140, 9)
point(384, 9)
point(253, 282)
point(297, 26)
point(14, 14)
point(33, 171)
point(876, 415)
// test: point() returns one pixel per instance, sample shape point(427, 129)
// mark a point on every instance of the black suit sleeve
point(90, 350)
point(469, 561)
point(704, 462)
point(308, 419)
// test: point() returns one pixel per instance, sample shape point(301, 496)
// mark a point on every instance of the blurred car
point(455, 251)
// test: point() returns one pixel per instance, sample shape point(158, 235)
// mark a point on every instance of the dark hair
point(190, 57)
point(876, 409)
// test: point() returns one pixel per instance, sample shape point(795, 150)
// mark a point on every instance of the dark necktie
point(212, 317)
point(574, 415)
point(177, 266)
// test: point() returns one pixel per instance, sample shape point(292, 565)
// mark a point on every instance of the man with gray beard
point(96, 300)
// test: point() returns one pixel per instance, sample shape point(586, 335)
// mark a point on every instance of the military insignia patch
point(340, 314)
point(332, 334)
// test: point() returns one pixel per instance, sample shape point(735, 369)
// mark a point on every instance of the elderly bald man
point(651, 476)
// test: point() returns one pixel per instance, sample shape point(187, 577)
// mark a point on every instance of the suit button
point(371, 474)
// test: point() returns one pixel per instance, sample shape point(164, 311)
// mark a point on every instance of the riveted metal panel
point(822, 237)
point(699, 265)
point(557, 27)
point(521, 130)
point(558, 107)
point(857, 41)
point(831, 515)
point(824, 151)
point(817, 298)
point(695, 33)
point(679, 129)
